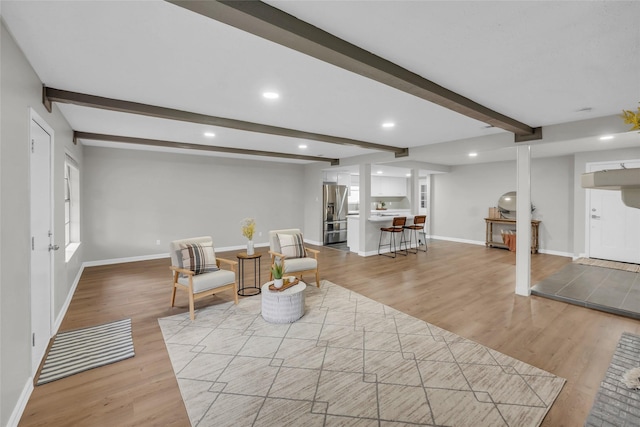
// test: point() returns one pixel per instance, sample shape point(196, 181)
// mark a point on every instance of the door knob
point(53, 247)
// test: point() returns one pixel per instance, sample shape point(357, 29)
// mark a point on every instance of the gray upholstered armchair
point(287, 247)
point(197, 270)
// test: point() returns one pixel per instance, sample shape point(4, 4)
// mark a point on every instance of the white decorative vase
point(250, 247)
point(277, 283)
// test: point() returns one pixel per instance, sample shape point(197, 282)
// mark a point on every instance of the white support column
point(414, 187)
point(364, 206)
point(523, 221)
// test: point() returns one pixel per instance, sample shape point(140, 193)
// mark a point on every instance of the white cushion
point(206, 281)
point(300, 264)
point(175, 249)
point(292, 245)
point(274, 242)
point(198, 258)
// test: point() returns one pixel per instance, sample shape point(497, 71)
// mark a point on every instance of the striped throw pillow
point(198, 258)
point(292, 245)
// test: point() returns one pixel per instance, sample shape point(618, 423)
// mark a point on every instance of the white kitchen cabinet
point(376, 186)
point(344, 179)
point(386, 186)
point(330, 177)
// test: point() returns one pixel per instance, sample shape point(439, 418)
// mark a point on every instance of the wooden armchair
point(287, 248)
point(197, 270)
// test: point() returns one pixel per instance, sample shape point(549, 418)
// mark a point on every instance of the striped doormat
point(625, 266)
point(83, 349)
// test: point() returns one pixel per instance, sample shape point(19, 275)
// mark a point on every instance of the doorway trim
point(34, 117)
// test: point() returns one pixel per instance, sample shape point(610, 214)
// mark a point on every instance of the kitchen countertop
point(380, 218)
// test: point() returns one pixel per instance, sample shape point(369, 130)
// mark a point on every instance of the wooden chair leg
point(173, 295)
point(317, 279)
point(191, 302)
point(235, 293)
point(191, 307)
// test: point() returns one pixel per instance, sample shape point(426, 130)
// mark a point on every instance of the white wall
point(552, 196)
point(21, 89)
point(460, 200)
point(133, 198)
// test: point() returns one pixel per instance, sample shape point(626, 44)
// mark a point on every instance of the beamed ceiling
point(451, 76)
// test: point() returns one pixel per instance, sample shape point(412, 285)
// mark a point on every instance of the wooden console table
point(490, 243)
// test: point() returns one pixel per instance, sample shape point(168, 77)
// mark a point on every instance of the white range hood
point(627, 181)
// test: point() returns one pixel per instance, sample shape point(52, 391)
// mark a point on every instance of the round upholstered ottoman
point(283, 306)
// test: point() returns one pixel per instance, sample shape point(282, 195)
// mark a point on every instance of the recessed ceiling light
point(271, 95)
point(379, 172)
point(209, 134)
point(388, 125)
point(473, 154)
point(606, 137)
point(408, 174)
point(302, 146)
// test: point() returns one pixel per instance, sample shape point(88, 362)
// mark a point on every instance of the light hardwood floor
point(466, 289)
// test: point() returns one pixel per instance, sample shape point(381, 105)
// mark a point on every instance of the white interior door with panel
point(614, 228)
point(42, 247)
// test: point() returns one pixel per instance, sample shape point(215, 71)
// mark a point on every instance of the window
point(71, 206)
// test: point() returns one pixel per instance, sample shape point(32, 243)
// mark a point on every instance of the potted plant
point(276, 271)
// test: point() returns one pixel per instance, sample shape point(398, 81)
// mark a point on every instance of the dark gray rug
point(83, 349)
point(616, 405)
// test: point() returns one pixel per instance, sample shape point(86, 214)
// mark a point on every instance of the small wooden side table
point(490, 243)
point(247, 291)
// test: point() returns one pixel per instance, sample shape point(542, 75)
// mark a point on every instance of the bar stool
point(415, 230)
point(396, 227)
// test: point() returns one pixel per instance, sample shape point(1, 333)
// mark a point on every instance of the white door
point(614, 228)
point(41, 238)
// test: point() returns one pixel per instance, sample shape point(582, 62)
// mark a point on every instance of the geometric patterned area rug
point(348, 361)
point(83, 349)
point(634, 268)
point(616, 404)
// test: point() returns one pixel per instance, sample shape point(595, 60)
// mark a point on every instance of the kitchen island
point(373, 223)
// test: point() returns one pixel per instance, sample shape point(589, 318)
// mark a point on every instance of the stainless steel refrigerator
point(335, 207)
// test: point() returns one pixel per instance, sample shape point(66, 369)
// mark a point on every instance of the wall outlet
point(259, 233)
point(158, 242)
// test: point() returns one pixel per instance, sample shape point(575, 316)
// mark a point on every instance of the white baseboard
point(476, 242)
point(455, 239)
point(21, 404)
point(67, 302)
point(557, 253)
point(123, 260)
point(159, 256)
